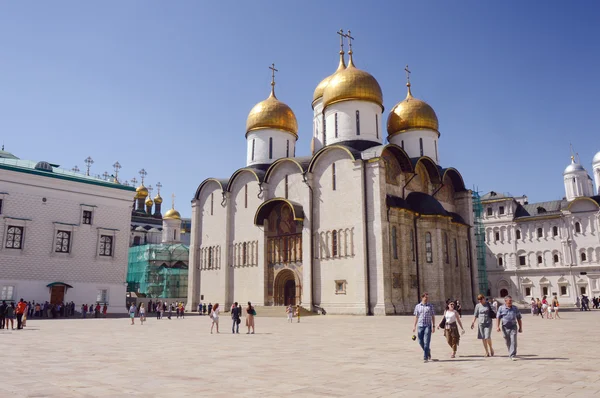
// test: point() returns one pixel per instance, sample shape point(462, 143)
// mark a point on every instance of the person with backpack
point(484, 313)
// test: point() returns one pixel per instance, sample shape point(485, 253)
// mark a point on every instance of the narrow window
point(63, 241)
point(554, 231)
point(174, 234)
point(563, 290)
point(210, 257)
point(333, 185)
point(336, 126)
point(522, 260)
point(421, 145)
point(468, 254)
point(412, 244)
point(446, 256)
point(489, 211)
point(577, 227)
point(287, 149)
point(286, 187)
point(246, 196)
point(14, 237)
point(428, 248)
point(106, 245)
point(357, 123)
point(583, 257)
point(497, 236)
point(583, 290)
point(244, 254)
point(500, 261)
point(555, 258)
point(270, 147)
point(501, 210)
point(545, 290)
point(377, 126)
point(0, 206)
point(540, 259)
point(334, 244)
point(518, 233)
point(324, 130)
point(540, 233)
point(455, 252)
point(87, 217)
point(436, 154)
point(253, 142)
point(402, 144)
point(394, 243)
point(7, 293)
point(212, 202)
point(527, 291)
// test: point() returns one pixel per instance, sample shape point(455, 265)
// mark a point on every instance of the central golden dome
point(410, 114)
point(141, 191)
point(352, 84)
point(321, 86)
point(272, 114)
point(172, 214)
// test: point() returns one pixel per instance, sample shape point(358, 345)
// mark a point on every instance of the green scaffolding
point(480, 243)
point(158, 270)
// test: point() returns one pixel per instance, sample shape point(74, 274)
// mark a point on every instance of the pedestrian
point(236, 318)
point(297, 313)
point(104, 310)
point(142, 314)
point(170, 310)
point(425, 324)
point(484, 315)
point(533, 305)
point(450, 321)
point(204, 309)
point(150, 305)
point(97, 310)
point(210, 308)
point(20, 310)
point(83, 310)
point(290, 313)
point(182, 310)
point(495, 305)
point(250, 314)
point(9, 315)
point(38, 310)
point(510, 317)
point(3, 307)
point(177, 309)
point(200, 308)
point(214, 315)
point(544, 307)
point(555, 305)
point(158, 309)
point(132, 313)
point(538, 303)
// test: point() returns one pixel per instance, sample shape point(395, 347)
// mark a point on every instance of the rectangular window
point(246, 196)
point(14, 237)
point(545, 290)
point(102, 296)
point(270, 147)
point(501, 210)
point(7, 293)
point(522, 260)
point(377, 126)
point(336, 125)
point(106, 245)
point(287, 149)
point(212, 202)
point(63, 242)
point(518, 233)
point(555, 231)
point(357, 123)
point(333, 182)
point(489, 211)
point(0, 206)
point(253, 149)
point(563, 290)
point(340, 287)
point(500, 261)
point(334, 244)
point(428, 248)
point(394, 243)
point(87, 217)
point(497, 236)
point(527, 291)
point(286, 187)
point(540, 233)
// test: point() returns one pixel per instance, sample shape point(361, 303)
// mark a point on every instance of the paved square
point(323, 356)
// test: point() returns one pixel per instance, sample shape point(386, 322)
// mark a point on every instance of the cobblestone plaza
point(323, 356)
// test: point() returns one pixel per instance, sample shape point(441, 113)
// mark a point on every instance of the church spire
point(350, 52)
point(342, 64)
point(273, 70)
point(409, 93)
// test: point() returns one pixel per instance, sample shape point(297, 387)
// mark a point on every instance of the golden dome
point(411, 113)
point(149, 202)
point(157, 199)
point(172, 214)
point(142, 191)
point(352, 84)
point(272, 114)
point(321, 86)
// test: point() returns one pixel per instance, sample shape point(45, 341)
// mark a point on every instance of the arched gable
point(221, 182)
point(391, 150)
point(265, 208)
point(452, 176)
point(326, 149)
point(278, 162)
point(239, 172)
point(432, 168)
point(583, 204)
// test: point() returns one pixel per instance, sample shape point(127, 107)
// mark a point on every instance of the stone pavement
point(323, 356)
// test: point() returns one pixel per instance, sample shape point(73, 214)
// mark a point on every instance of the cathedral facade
point(359, 227)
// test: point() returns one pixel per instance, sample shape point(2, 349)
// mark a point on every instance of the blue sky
point(167, 86)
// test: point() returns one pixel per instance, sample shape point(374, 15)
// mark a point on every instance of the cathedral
point(364, 225)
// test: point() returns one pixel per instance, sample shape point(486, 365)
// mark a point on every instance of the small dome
point(596, 159)
point(352, 84)
point(321, 86)
point(272, 114)
point(153, 230)
point(172, 214)
point(140, 229)
point(141, 191)
point(157, 199)
point(574, 167)
point(149, 202)
point(411, 113)
point(43, 166)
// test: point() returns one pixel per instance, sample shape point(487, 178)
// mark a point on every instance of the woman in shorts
point(142, 314)
point(132, 313)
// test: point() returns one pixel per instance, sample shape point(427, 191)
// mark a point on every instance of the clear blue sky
point(167, 85)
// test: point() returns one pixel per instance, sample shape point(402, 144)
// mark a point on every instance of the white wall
point(410, 142)
point(346, 122)
point(284, 145)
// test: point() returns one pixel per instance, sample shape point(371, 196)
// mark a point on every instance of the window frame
point(87, 220)
point(102, 250)
point(577, 227)
point(554, 231)
point(500, 261)
point(523, 261)
point(66, 236)
point(501, 210)
point(340, 286)
point(583, 257)
point(21, 235)
point(428, 248)
point(518, 234)
point(357, 122)
point(490, 211)
point(100, 297)
point(335, 118)
point(333, 177)
point(270, 148)
point(394, 242)
point(4, 296)
point(540, 233)
point(540, 259)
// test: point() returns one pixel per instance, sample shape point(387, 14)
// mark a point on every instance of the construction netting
point(158, 270)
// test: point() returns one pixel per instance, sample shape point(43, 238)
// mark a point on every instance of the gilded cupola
point(158, 199)
point(321, 86)
point(172, 214)
point(141, 191)
point(272, 114)
point(411, 114)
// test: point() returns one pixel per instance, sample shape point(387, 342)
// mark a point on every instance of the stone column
point(194, 262)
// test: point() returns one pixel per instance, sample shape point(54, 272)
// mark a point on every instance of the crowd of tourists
point(23, 310)
point(236, 312)
point(544, 308)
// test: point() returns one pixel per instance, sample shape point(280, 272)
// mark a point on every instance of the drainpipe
point(417, 256)
point(470, 260)
point(312, 243)
point(365, 225)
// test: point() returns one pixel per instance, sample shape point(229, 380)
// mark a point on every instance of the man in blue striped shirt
point(425, 324)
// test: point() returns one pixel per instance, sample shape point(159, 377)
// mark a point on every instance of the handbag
point(253, 312)
point(442, 324)
point(238, 321)
point(492, 313)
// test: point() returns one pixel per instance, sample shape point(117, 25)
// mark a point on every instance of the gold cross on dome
point(342, 35)
point(273, 70)
point(407, 74)
point(350, 38)
point(172, 200)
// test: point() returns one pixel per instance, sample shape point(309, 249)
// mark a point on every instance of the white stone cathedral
point(547, 248)
point(362, 226)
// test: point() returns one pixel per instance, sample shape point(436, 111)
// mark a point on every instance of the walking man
point(425, 324)
point(510, 317)
point(235, 317)
point(21, 308)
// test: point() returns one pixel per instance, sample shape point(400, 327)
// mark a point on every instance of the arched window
point(540, 259)
point(357, 123)
point(394, 243)
point(500, 262)
point(412, 244)
point(421, 145)
point(253, 144)
point(446, 256)
point(503, 292)
point(518, 233)
point(555, 258)
point(246, 196)
point(334, 244)
point(212, 202)
point(436, 153)
point(555, 231)
point(270, 147)
point(287, 149)
point(577, 227)
point(324, 130)
point(428, 248)
point(583, 257)
point(540, 233)
point(377, 126)
point(336, 125)
point(333, 182)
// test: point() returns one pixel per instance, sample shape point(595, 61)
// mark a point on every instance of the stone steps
point(278, 311)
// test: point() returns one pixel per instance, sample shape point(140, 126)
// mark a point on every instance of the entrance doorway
point(286, 290)
point(503, 293)
point(57, 294)
point(289, 292)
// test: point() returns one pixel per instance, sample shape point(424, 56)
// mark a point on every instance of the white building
point(546, 248)
point(64, 236)
point(359, 227)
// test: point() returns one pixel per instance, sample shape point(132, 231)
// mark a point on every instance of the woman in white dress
point(214, 315)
